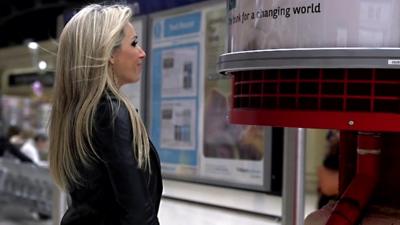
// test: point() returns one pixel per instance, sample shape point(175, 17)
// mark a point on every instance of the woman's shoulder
point(111, 109)
point(112, 122)
point(110, 103)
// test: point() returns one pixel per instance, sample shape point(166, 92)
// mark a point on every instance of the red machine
point(362, 103)
point(324, 64)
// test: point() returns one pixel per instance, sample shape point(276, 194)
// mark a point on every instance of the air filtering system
point(331, 65)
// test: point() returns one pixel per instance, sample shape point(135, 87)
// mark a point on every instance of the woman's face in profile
point(127, 60)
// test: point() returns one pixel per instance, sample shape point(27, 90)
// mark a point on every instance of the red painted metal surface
point(354, 200)
point(349, 99)
point(357, 121)
point(347, 158)
point(387, 194)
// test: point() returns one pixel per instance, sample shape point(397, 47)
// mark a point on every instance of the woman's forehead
point(130, 30)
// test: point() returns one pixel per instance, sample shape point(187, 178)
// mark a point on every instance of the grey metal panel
point(309, 58)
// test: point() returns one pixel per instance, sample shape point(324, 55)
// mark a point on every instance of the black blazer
point(115, 191)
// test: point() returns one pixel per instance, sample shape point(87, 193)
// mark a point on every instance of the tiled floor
point(175, 212)
point(18, 215)
point(172, 212)
point(178, 212)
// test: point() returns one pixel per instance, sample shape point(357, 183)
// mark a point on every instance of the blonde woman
point(99, 149)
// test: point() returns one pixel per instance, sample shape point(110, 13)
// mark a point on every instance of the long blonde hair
point(83, 74)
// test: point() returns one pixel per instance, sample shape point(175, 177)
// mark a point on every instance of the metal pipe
point(293, 176)
point(354, 200)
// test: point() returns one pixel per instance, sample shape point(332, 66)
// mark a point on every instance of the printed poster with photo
point(177, 120)
point(190, 103)
point(175, 73)
point(234, 153)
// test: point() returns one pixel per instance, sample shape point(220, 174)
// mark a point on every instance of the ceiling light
point(42, 65)
point(33, 45)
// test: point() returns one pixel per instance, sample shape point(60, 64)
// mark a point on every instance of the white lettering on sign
point(394, 62)
point(181, 25)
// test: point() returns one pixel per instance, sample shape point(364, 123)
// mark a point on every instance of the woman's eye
point(134, 43)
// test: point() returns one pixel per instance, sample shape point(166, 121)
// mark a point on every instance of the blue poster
point(175, 89)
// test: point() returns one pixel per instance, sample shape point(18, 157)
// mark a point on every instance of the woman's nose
point(142, 53)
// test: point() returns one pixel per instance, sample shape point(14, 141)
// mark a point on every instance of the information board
point(189, 104)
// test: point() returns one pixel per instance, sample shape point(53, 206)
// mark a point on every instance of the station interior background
point(204, 183)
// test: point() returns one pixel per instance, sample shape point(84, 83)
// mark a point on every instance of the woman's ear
point(112, 59)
